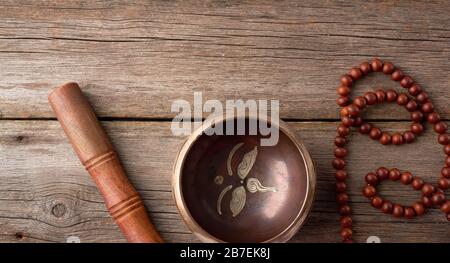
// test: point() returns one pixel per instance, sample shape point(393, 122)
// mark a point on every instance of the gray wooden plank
point(47, 196)
point(143, 55)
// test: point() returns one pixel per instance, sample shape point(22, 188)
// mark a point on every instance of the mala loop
point(417, 102)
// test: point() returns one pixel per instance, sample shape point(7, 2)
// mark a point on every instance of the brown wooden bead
point(353, 110)
point(444, 183)
point(340, 152)
point(360, 102)
point(340, 187)
point(357, 121)
point(427, 107)
point(397, 139)
point(346, 80)
point(402, 99)
point(447, 161)
point(438, 198)
point(346, 233)
point(397, 211)
point(387, 207)
point(447, 149)
point(414, 90)
point(427, 190)
point(397, 75)
point(371, 98)
point(369, 191)
point(448, 217)
point(417, 183)
point(355, 73)
point(440, 127)
point(343, 101)
point(365, 128)
point(391, 95)
point(446, 207)
point(388, 68)
point(342, 130)
point(406, 178)
point(340, 141)
point(416, 116)
point(394, 174)
point(377, 202)
point(406, 82)
point(375, 133)
point(443, 139)
point(409, 213)
point(416, 128)
point(340, 175)
point(385, 139)
point(371, 179)
point(338, 163)
point(381, 95)
point(343, 91)
point(345, 210)
point(344, 112)
point(411, 105)
point(409, 137)
point(365, 67)
point(419, 208)
point(347, 121)
point(445, 172)
point(377, 65)
point(426, 201)
point(346, 221)
point(382, 173)
point(422, 97)
point(433, 118)
point(342, 198)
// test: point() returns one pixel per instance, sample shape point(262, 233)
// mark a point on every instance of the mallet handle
point(96, 153)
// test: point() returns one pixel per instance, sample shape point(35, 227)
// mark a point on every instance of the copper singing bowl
point(228, 188)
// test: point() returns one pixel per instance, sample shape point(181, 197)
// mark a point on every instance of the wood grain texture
point(160, 51)
point(133, 59)
point(46, 195)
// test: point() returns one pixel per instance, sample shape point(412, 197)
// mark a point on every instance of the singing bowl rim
point(201, 233)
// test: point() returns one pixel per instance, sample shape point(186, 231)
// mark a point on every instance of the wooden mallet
point(96, 153)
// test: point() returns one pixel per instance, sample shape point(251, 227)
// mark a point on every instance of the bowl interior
point(239, 191)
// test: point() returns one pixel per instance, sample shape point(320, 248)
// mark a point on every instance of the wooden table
point(133, 60)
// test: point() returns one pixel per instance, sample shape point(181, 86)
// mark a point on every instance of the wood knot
point(59, 210)
point(19, 235)
point(20, 138)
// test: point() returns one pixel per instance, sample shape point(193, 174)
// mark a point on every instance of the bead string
point(421, 109)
